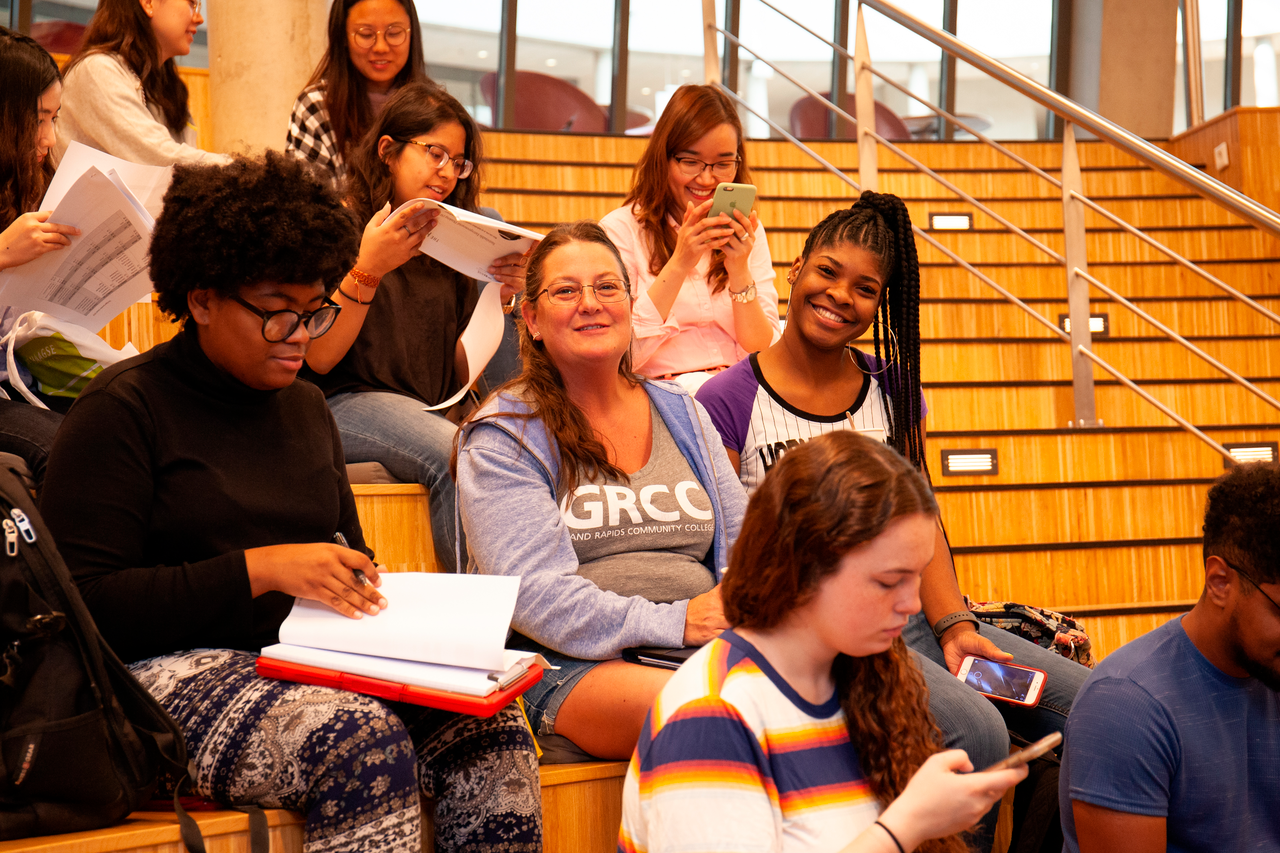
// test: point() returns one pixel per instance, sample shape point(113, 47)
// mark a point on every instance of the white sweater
point(103, 107)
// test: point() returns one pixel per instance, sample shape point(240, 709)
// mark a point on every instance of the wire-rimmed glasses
point(366, 37)
point(462, 167)
point(570, 292)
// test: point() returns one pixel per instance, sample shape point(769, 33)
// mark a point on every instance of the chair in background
point(544, 102)
point(809, 119)
point(61, 38)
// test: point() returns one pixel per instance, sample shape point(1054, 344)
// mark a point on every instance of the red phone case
point(476, 706)
point(1005, 699)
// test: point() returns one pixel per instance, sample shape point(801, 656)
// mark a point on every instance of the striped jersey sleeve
point(732, 759)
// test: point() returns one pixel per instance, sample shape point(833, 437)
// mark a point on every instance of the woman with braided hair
point(859, 273)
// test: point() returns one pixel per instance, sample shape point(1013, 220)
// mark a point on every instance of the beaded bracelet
point(896, 842)
point(362, 279)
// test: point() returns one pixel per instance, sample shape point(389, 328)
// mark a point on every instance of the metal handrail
point(1088, 202)
point(904, 155)
point(1260, 215)
point(1158, 159)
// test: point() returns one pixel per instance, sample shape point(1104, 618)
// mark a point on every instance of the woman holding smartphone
point(801, 728)
point(704, 286)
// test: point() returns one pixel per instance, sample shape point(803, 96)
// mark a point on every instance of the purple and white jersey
point(755, 421)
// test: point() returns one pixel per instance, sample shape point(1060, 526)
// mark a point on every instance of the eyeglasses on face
point(691, 167)
point(570, 292)
point(366, 37)
point(195, 7)
point(280, 325)
point(462, 167)
point(1250, 580)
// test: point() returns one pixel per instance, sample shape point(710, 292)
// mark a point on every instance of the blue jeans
point(28, 431)
point(979, 726)
point(411, 443)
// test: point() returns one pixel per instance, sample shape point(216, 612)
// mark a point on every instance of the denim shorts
point(542, 701)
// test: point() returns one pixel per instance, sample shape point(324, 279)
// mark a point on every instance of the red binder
point(476, 706)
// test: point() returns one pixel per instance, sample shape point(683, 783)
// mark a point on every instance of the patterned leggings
point(352, 764)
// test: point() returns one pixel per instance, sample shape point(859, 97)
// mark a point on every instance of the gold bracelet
point(363, 279)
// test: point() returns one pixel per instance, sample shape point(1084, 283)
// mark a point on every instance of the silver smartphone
point(731, 197)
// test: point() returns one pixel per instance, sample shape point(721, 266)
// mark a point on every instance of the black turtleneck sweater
point(164, 472)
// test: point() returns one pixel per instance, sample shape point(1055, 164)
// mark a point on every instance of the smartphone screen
point(1001, 680)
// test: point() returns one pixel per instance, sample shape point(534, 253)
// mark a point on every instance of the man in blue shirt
point(1173, 743)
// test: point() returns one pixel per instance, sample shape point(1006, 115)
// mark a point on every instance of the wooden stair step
point(397, 525)
point(1049, 279)
point(1067, 456)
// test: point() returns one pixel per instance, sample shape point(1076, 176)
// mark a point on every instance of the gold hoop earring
point(891, 340)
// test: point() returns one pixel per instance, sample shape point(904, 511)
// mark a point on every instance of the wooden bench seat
point(396, 521)
point(581, 808)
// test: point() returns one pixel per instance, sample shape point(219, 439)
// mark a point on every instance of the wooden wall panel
point(1035, 516)
point(1249, 134)
point(397, 526)
point(1087, 456)
point(143, 324)
point(1051, 407)
point(1060, 580)
point(582, 806)
point(1048, 280)
point(1109, 633)
point(1154, 359)
point(1005, 320)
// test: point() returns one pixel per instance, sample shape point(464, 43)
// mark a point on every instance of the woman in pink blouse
point(704, 286)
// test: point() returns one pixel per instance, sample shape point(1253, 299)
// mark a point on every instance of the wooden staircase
point(1102, 523)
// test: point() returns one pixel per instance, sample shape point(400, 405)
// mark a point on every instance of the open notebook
point(438, 643)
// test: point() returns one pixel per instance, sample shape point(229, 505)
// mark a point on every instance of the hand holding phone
point(731, 197)
point(1004, 682)
point(1029, 754)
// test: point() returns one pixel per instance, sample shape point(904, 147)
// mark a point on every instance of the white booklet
point(443, 631)
point(471, 242)
point(103, 271)
point(147, 183)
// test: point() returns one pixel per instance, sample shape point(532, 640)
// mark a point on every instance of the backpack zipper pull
point(24, 525)
point(10, 538)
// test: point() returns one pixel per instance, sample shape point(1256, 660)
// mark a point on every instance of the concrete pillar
point(1124, 62)
point(260, 56)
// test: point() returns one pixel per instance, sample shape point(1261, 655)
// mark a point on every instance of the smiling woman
point(704, 285)
point(375, 47)
point(123, 94)
point(601, 492)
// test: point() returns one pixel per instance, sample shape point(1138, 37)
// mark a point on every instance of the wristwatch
point(744, 296)
point(940, 627)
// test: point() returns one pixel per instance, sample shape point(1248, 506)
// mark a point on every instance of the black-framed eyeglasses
point(439, 156)
point(278, 326)
point(1250, 580)
point(570, 292)
point(366, 37)
point(691, 167)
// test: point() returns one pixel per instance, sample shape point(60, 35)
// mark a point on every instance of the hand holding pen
point(332, 574)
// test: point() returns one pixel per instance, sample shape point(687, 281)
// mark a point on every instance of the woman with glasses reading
point(375, 47)
point(198, 489)
point(122, 92)
point(609, 495)
point(395, 349)
point(704, 286)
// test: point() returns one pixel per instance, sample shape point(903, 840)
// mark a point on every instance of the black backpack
point(82, 743)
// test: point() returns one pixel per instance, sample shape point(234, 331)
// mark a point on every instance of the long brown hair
point(27, 70)
point(123, 28)
point(692, 113)
point(540, 384)
point(345, 97)
point(822, 500)
point(416, 109)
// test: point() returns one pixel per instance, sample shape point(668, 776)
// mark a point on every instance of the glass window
point(1019, 34)
point(1260, 41)
point(460, 41)
point(571, 42)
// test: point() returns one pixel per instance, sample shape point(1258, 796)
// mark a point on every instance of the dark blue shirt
point(1158, 730)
